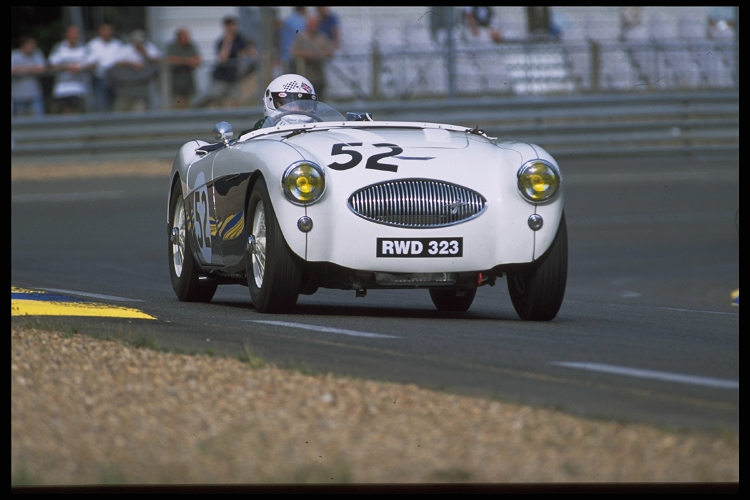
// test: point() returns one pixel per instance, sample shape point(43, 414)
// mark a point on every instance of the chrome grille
point(417, 203)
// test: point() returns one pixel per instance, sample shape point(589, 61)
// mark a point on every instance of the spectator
point(71, 63)
point(310, 50)
point(631, 25)
point(27, 64)
point(539, 23)
point(478, 21)
point(103, 50)
point(183, 57)
point(293, 25)
point(721, 23)
point(330, 25)
point(136, 66)
point(236, 57)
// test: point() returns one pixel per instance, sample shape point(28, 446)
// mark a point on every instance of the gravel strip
point(87, 411)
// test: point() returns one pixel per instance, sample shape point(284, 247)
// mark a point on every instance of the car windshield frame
point(303, 111)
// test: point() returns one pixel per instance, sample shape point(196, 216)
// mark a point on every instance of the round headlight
point(303, 182)
point(538, 180)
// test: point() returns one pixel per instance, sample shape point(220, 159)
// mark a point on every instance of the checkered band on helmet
point(284, 89)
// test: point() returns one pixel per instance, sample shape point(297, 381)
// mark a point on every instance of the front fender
point(266, 160)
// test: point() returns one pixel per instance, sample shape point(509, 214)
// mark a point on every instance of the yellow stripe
point(20, 307)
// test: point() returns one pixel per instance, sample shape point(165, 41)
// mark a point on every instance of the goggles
point(281, 98)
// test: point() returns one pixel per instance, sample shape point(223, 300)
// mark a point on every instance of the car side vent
point(417, 203)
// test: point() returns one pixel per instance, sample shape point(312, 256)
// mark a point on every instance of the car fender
point(266, 159)
point(551, 211)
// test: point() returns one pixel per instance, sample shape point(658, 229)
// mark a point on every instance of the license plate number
point(420, 247)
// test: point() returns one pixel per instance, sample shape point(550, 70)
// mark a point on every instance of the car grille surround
point(417, 203)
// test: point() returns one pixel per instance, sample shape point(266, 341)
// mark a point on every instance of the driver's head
point(285, 89)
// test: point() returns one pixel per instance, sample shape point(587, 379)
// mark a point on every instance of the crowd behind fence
point(415, 59)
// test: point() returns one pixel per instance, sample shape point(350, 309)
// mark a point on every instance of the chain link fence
point(561, 50)
point(419, 52)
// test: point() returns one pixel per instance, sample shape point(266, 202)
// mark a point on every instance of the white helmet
point(284, 89)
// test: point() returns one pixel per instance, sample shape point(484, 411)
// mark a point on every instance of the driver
point(283, 90)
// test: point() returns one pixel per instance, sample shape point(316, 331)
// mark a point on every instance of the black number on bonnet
point(338, 149)
point(356, 157)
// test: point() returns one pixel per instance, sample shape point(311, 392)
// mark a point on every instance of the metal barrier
point(570, 125)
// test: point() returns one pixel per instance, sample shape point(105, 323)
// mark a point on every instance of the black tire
point(452, 299)
point(183, 271)
point(537, 290)
point(274, 274)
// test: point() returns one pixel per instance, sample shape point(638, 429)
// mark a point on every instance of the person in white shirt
point(103, 51)
point(135, 69)
point(71, 63)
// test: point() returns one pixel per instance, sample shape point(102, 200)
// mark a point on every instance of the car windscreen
point(303, 111)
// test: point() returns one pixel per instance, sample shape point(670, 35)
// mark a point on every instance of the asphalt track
point(648, 332)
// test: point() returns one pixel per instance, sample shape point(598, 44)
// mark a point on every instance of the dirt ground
point(86, 411)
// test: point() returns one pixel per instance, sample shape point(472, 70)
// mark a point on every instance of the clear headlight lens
point(303, 182)
point(538, 180)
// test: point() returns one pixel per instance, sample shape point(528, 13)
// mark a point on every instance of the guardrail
point(571, 125)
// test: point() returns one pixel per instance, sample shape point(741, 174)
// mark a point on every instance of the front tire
point(183, 270)
point(452, 299)
point(274, 274)
point(537, 290)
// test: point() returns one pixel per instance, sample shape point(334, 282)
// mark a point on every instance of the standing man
point(103, 50)
point(27, 64)
point(183, 57)
point(293, 25)
point(479, 24)
point(330, 25)
point(71, 63)
point(310, 50)
point(235, 59)
point(133, 73)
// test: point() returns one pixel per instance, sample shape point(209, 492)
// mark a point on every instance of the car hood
point(403, 137)
point(361, 156)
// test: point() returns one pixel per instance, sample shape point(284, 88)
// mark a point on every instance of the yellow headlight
point(303, 182)
point(538, 181)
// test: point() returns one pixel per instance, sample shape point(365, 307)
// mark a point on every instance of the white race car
point(317, 199)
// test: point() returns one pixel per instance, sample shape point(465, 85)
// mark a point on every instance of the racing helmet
point(285, 89)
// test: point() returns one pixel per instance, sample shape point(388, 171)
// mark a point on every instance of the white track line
point(325, 329)
point(651, 374)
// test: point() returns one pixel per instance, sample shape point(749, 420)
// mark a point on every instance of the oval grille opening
point(417, 203)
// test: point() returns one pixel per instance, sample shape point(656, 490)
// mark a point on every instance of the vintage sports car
point(317, 199)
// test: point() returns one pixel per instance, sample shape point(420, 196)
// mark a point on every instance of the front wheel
point(537, 290)
point(452, 299)
point(183, 271)
point(274, 274)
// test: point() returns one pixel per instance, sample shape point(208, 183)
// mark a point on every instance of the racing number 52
point(356, 157)
point(201, 220)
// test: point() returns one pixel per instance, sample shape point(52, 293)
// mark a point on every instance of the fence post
point(595, 64)
point(165, 83)
point(450, 54)
point(377, 63)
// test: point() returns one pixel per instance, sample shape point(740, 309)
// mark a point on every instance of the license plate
point(420, 247)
